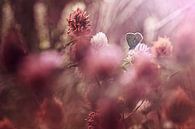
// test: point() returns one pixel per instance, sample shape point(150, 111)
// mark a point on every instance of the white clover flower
point(99, 40)
point(140, 49)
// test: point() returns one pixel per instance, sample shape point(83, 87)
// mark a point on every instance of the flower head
point(78, 22)
point(99, 40)
point(139, 50)
point(162, 48)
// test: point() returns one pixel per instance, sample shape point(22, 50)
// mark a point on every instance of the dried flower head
point(99, 40)
point(162, 47)
point(78, 22)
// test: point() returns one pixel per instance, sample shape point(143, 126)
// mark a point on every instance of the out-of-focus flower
point(78, 22)
point(6, 124)
point(12, 50)
point(179, 107)
point(37, 70)
point(145, 68)
point(103, 62)
point(99, 40)
point(51, 113)
point(93, 121)
point(162, 48)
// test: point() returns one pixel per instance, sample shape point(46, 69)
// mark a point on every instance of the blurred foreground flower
point(37, 70)
point(103, 62)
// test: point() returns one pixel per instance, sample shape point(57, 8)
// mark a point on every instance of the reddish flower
point(162, 48)
point(146, 70)
point(6, 124)
point(12, 50)
point(78, 22)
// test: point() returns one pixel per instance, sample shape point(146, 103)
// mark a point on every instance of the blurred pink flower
point(145, 69)
point(37, 70)
point(103, 62)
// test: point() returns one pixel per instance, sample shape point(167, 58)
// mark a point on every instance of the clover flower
point(78, 22)
point(99, 40)
point(140, 49)
point(162, 48)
